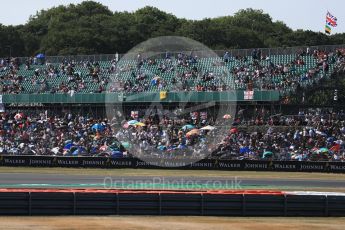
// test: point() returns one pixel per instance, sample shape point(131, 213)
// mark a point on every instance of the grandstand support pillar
point(272, 109)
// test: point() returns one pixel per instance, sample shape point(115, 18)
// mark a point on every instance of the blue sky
point(297, 14)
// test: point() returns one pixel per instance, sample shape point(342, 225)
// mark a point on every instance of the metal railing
point(199, 53)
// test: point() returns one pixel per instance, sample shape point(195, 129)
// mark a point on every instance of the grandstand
point(93, 74)
point(98, 87)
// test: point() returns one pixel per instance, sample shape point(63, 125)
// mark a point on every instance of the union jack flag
point(331, 20)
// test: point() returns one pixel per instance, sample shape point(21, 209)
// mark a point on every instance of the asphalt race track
point(35, 180)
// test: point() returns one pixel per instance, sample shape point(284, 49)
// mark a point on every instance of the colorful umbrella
point(208, 127)
point(55, 150)
point(162, 147)
point(155, 80)
point(193, 132)
point(40, 56)
point(321, 133)
point(18, 116)
point(140, 124)
point(323, 150)
point(68, 146)
point(234, 130)
point(126, 144)
point(267, 154)
point(244, 149)
point(116, 154)
point(187, 127)
point(103, 148)
point(132, 122)
point(97, 127)
point(227, 116)
point(314, 149)
point(335, 148)
point(75, 153)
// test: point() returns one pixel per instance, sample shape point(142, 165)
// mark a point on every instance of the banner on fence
point(208, 164)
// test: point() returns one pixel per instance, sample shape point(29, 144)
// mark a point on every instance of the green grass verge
point(174, 173)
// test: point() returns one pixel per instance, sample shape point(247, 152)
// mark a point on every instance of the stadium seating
point(223, 75)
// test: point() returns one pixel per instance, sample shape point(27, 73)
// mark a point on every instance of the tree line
point(91, 28)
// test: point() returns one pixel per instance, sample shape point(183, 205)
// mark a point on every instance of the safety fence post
point(202, 203)
point(29, 203)
point(117, 204)
point(74, 203)
point(160, 203)
point(326, 205)
point(243, 205)
point(285, 205)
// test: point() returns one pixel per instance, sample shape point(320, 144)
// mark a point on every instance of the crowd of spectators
point(340, 61)
point(185, 72)
point(261, 71)
point(303, 137)
point(72, 76)
point(10, 82)
point(40, 134)
point(306, 136)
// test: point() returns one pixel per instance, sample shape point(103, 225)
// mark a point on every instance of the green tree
point(91, 28)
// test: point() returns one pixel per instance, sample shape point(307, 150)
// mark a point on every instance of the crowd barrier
point(36, 202)
point(205, 164)
point(199, 53)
